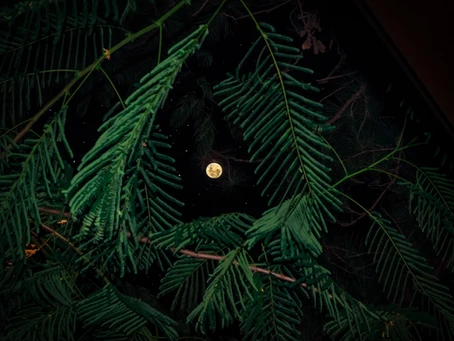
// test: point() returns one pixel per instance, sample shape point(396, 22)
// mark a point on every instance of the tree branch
point(387, 188)
point(186, 252)
point(354, 97)
point(258, 12)
point(90, 68)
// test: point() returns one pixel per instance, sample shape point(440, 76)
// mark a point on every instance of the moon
point(214, 170)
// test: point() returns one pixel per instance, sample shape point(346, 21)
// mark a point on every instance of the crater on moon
point(214, 170)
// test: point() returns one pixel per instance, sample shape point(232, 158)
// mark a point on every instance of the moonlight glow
point(214, 170)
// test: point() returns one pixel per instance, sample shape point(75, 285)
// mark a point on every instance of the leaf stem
point(90, 69)
point(113, 87)
point(72, 246)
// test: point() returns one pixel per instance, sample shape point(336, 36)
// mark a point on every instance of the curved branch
point(186, 252)
point(92, 66)
point(354, 97)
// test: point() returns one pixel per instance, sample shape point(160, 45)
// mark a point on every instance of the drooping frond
point(53, 41)
point(224, 230)
point(297, 234)
point(401, 268)
point(187, 281)
point(274, 313)
point(225, 296)
point(280, 122)
point(35, 168)
point(42, 17)
point(312, 281)
point(124, 169)
point(142, 334)
point(36, 323)
point(46, 298)
point(117, 312)
point(432, 203)
point(397, 324)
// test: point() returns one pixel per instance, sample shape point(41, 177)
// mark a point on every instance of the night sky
point(237, 189)
point(210, 197)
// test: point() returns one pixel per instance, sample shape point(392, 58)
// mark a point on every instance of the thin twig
point(326, 79)
point(88, 69)
point(251, 267)
point(258, 12)
point(387, 188)
point(72, 246)
point(354, 97)
point(200, 9)
point(186, 252)
point(335, 91)
point(341, 61)
point(369, 151)
point(53, 211)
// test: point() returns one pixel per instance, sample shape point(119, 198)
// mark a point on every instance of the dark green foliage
point(276, 309)
point(394, 324)
point(229, 287)
point(98, 255)
point(225, 230)
point(297, 234)
point(402, 269)
point(432, 202)
point(114, 311)
point(282, 125)
point(51, 315)
point(34, 171)
point(186, 280)
point(47, 42)
point(125, 168)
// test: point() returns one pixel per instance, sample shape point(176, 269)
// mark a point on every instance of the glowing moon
point(214, 170)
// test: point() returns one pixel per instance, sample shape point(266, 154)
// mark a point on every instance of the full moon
point(214, 170)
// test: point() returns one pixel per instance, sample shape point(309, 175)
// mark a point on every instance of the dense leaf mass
point(326, 224)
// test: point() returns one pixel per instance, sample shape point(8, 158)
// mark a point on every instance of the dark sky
point(209, 197)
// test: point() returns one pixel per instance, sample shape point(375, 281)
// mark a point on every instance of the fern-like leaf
point(394, 325)
point(36, 323)
point(34, 168)
point(402, 268)
point(105, 189)
point(188, 278)
point(112, 310)
point(50, 42)
point(225, 296)
point(313, 281)
point(432, 203)
point(297, 234)
point(281, 123)
point(273, 314)
point(45, 297)
point(224, 230)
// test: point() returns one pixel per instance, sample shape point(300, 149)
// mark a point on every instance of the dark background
point(366, 54)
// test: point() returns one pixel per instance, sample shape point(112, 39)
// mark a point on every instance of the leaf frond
point(36, 170)
point(432, 203)
point(401, 268)
point(111, 309)
point(280, 122)
point(228, 287)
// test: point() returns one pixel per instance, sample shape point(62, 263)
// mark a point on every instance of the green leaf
point(401, 268)
point(187, 279)
point(228, 287)
point(126, 169)
point(273, 314)
point(35, 171)
point(111, 309)
point(281, 124)
point(432, 203)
